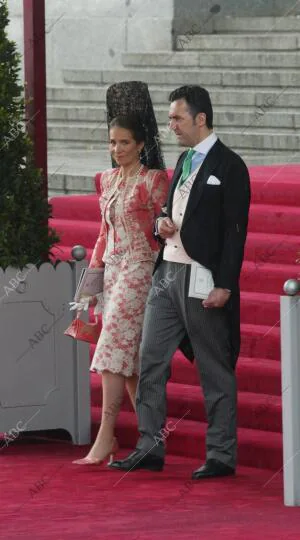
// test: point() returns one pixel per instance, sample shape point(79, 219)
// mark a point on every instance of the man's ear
point(201, 119)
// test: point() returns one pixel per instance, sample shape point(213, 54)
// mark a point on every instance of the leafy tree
point(24, 211)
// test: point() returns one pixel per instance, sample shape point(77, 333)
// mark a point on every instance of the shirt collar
point(204, 146)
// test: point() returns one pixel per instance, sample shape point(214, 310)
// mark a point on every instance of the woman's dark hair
point(198, 101)
point(132, 123)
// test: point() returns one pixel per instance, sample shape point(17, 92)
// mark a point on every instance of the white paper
point(90, 283)
point(201, 281)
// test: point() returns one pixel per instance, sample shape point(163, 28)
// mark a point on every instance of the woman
point(131, 198)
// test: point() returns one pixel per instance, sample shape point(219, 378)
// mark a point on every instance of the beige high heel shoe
point(95, 461)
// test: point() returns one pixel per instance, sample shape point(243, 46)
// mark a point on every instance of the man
point(204, 227)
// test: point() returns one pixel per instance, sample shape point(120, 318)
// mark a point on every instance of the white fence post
point(290, 383)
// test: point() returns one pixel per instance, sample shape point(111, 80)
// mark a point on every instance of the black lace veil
point(133, 97)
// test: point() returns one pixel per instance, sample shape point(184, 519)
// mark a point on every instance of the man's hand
point(165, 227)
point(217, 298)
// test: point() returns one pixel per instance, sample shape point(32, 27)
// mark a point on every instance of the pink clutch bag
point(84, 331)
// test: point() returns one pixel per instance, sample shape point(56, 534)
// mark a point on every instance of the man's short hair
point(198, 101)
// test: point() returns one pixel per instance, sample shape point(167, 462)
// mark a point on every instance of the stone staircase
point(251, 69)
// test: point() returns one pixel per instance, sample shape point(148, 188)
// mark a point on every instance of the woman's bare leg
point(131, 386)
point(112, 396)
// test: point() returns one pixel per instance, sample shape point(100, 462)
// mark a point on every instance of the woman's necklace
point(121, 181)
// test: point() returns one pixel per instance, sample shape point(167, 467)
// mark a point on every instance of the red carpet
point(45, 497)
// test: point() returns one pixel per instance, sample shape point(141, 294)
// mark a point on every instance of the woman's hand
point(84, 303)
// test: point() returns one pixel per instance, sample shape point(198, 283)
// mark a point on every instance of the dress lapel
point(209, 164)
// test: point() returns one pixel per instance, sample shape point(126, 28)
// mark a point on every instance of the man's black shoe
point(211, 469)
point(139, 460)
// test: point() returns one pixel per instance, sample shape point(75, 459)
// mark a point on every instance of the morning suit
point(213, 233)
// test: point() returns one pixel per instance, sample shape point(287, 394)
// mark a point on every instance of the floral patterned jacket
point(128, 211)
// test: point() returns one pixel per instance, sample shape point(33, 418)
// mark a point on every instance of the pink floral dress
point(127, 248)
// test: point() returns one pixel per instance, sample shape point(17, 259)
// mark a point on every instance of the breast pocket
point(212, 194)
point(214, 189)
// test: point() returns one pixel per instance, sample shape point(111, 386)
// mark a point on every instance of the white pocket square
point(213, 181)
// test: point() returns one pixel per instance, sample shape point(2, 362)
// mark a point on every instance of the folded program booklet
point(90, 283)
point(201, 281)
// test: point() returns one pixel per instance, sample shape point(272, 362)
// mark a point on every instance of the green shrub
point(24, 211)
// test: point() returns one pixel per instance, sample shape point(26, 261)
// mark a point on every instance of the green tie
point(186, 167)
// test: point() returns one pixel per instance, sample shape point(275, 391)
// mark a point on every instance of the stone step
point(76, 94)
point(161, 59)
point(235, 59)
point(252, 138)
point(76, 113)
point(90, 157)
point(226, 24)
point(281, 97)
point(85, 162)
point(150, 76)
point(259, 42)
point(229, 24)
point(243, 97)
point(284, 79)
point(71, 183)
point(87, 133)
point(244, 118)
point(248, 155)
point(237, 77)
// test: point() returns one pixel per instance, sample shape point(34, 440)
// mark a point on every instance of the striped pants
point(169, 315)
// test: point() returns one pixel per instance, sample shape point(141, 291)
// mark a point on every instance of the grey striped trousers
point(169, 314)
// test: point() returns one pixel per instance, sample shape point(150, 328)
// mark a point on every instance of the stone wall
point(93, 34)
point(205, 13)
